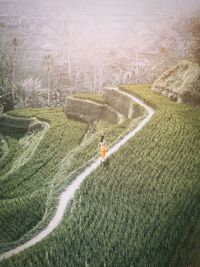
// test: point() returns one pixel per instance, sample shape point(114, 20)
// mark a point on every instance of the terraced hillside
point(39, 165)
point(25, 177)
point(140, 208)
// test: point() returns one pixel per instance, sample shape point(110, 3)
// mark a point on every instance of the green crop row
point(66, 146)
point(19, 214)
point(1, 148)
point(23, 193)
point(138, 208)
point(89, 96)
point(7, 161)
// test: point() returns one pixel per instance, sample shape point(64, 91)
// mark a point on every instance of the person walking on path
point(102, 145)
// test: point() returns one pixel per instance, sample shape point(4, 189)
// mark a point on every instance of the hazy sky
point(101, 7)
point(132, 6)
point(125, 5)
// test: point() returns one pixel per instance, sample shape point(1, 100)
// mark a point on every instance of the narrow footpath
point(70, 191)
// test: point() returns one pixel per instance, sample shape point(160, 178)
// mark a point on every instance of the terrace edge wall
point(116, 109)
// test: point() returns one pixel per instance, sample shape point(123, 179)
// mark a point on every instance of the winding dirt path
point(69, 193)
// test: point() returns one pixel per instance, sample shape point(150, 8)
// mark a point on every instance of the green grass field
point(29, 194)
point(139, 209)
point(89, 96)
point(23, 192)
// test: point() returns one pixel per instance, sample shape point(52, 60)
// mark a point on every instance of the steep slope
point(29, 193)
point(181, 83)
point(29, 167)
point(70, 190)
point(139, 207)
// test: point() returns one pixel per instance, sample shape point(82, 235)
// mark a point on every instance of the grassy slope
point(89, 96)
point(24, 200)
point(187, 252)
point(138, 208)
point(23, 193)
point(3, 148)
point(14, 151)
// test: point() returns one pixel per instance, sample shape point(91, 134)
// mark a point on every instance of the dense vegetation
point(31, 191)
point(7, 161)
point(23, 192)
point(89, 96)
point(139, 208)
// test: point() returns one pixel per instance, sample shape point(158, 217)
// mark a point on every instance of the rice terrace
point(99, 134)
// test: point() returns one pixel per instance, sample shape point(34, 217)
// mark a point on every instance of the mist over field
point(99, 133)
point(69, 46)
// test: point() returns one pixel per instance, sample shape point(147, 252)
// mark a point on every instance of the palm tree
point(48, 61)
point(30, 92)
point(15, 44)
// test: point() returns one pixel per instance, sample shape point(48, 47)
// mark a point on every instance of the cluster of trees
point(6, 96)
point(23, 93)
point(194, 28)
point(86, 60)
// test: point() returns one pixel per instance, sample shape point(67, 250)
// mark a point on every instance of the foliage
point(6, 99)
point(29, 93)
point(135, 209)
point(1, 152)
point(48, 170)
point(188, 252)
point(28, 186)
point(14, 150)
point(194, 28)
point(89, 96)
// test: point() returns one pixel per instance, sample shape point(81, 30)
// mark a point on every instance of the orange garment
point(103, 151)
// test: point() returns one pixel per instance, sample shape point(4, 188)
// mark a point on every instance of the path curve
point(69, 193)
